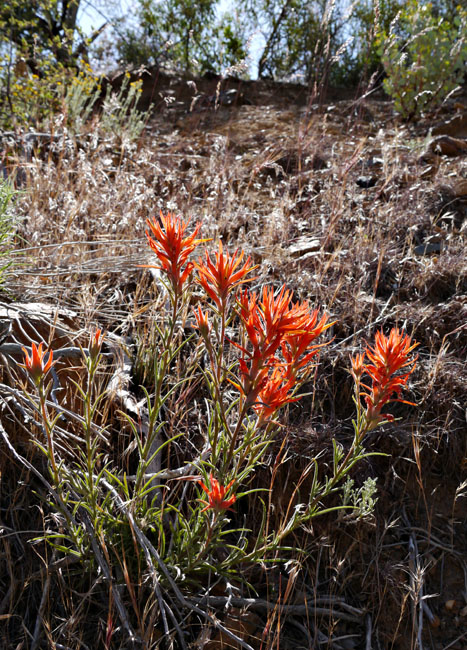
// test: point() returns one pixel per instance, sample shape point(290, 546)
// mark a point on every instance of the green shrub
point(120, 116)
point(32, 100)
point(82, 92)
point(424, 57)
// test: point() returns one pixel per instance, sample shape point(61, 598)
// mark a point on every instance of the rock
point(460, 188)
point(242, 623)
point(448, 146)
point(292, 162)
point(429, 158)
point(317, 162)
point(374, 162)
point(303, 246)
point(457, 126)
point(447, 202)
point(229, 97)
point(429, 171)
point(366, 181)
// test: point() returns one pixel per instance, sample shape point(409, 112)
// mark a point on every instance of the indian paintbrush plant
point(255, 351)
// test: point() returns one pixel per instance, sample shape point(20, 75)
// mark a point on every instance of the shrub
point(424, 58)
point(33, 100)
point(120, 116)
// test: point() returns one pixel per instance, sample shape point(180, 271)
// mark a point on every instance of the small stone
point(366, 181)
point(457, 126)
point(460, 188)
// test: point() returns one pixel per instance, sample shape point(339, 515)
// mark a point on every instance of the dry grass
point(266, 178)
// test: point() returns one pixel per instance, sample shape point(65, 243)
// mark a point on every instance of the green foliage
point(81, 94)
point(181, 32)
point(422, 47)
point(120, 115)
point(424, 57)
point(41, 30)
point(300, 39)
point(368, 20)
point(31, 100)
point(41, 63)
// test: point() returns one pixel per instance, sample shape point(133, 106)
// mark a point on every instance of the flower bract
point(170, 241)
point(221, 276)
point(387, 357)
point(216, 495)
point(35, 364)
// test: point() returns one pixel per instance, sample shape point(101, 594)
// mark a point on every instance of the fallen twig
point(308, 607)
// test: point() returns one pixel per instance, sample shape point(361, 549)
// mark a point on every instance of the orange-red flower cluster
point(274, 323)
point(299, 349)
point(269, 320)
point(221, 276)
point(216, 496)
point(385, 359)
point(276, 392)
point(173, 246)
point(35, 364)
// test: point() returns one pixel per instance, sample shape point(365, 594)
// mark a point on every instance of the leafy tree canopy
point(44, 29)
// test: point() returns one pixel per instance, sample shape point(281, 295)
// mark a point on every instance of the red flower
point(275, 392)
point(218, 278)
point(34, 364)
point(270, 323)
point(216, 494)
point(173, 246)
point(95, 344)
point(388, 356)
point(358, 366)
point(299, 349)
point(202, 322)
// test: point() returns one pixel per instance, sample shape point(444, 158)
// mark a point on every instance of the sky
point(92, 15)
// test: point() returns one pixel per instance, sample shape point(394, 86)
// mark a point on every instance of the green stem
point(88, 407)
point(49, 432)
point(160, 376)
point(207, 542)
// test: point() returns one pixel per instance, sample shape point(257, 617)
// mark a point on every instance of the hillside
point(360, 214)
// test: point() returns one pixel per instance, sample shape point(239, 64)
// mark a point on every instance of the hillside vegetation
point(233, 382)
